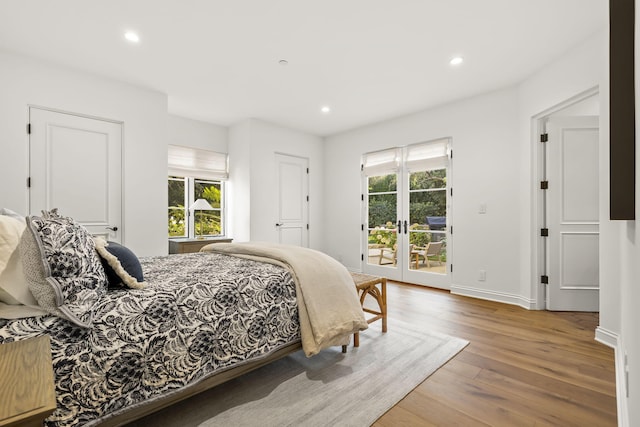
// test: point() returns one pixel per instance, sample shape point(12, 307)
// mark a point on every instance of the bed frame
point(141, 410)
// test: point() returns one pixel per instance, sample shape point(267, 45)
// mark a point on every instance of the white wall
point(579, 70)
point(628, 242)
point(196, 134)
point(25, 82)
point(484, 137)
point(252, 148)
point(240, 182)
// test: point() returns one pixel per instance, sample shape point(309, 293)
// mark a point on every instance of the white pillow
point(9, 212)
point(14, 288)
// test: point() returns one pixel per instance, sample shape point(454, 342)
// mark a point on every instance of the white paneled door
point(76, 166)
point(293, 200)
point(572, 213)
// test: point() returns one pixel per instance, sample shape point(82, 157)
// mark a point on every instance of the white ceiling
point(370, 60)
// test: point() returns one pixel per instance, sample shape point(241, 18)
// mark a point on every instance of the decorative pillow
point(9, 212)
point(14, 288)
point(62, 267)
point(120, 264)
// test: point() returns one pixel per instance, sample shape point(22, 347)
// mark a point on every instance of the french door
point(406, 211)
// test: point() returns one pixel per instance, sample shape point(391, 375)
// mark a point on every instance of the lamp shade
point(201, 205)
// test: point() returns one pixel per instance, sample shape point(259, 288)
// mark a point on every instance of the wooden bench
point(367, 284)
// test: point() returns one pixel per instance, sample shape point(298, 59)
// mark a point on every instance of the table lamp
point(200, 205)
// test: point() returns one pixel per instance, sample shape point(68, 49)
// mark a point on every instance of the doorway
point(293, 200)
point(568, 215)
point(406, 213)
point(75, 164)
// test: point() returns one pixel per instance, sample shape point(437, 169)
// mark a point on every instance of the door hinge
point(361, 167)
point(544, 232)
point(451, 191)
point(29, 128)
point(451, 230)
point(451, 267)
point(307, 171)
point(307, 198)
point(544, 185)
point(451, 154)
point(362, 257)
point(362, 197)
point(544, 137)
point(29, 182)
point(307, 226)
point(361, 227)
point(544, 279)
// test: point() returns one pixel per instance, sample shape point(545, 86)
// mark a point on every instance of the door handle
point(405, 226)
point(114, 228)
point(399, 226)
point(278, 225)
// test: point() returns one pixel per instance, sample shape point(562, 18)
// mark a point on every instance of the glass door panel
point(428, 217)
point(382, 215)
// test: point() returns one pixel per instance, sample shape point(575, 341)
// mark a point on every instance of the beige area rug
point(330, 389)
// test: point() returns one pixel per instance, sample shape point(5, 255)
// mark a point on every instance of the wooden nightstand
point(26, 382)
point(186, 246)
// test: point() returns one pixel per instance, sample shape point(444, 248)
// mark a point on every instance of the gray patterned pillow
point(62, 267)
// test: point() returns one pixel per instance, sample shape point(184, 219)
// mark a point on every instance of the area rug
point(330, 389)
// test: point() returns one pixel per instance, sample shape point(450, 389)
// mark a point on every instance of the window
point(183, 192)
point(196, 174)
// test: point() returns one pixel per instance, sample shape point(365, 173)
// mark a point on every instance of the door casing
point(538, 261)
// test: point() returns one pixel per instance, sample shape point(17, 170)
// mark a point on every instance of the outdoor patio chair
point(432, 249)
point(390, 254)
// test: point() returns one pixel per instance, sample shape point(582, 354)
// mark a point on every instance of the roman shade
point(382, 162)
point(427, 155)
point(198, 163)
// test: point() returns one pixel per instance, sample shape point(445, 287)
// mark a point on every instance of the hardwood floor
point(521, 368)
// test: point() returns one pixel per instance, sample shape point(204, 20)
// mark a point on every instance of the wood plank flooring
point(521, 368)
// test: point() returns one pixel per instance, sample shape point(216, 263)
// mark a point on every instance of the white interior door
point(293, 200)
point(76, 166)
point(572, 213)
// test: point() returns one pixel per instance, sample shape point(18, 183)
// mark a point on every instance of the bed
point(174, 325)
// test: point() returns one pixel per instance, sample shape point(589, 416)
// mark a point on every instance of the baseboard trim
point(612, 339)
point(608, 338)
point(467, 291)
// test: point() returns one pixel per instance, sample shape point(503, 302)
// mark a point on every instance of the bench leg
point(383, 305)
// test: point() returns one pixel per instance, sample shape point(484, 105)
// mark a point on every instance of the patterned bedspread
point(199, 314)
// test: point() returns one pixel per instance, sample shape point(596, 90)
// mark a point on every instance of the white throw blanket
point(328, 304)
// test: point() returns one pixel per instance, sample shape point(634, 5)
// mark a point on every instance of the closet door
point(76, 166)
point(293, 200)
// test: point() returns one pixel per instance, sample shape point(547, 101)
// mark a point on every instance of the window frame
point(189, 199)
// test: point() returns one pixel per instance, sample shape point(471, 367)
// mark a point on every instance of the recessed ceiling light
point(456, 60)
point(326, 109)
point(132, 37)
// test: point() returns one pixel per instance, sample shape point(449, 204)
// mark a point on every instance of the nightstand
point(186, 246)
point(26, 382)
